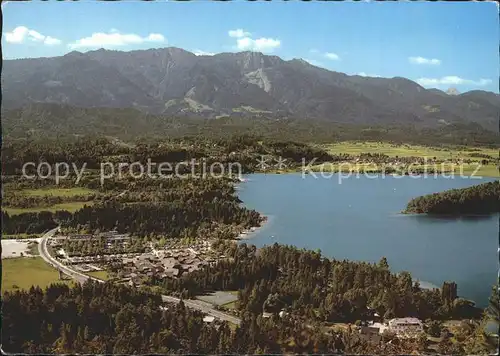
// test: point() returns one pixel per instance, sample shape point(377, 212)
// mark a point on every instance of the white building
point(378, 327)
point(406, 326)
point(208, 319)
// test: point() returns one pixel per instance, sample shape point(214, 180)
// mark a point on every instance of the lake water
point(359, 219)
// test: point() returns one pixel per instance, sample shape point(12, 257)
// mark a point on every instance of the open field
point(99, 274)
point(355, 148)
point(26, 272)
point(69, 206)
point(450, 154)
point(230, 305)
point(466, 161)
point(484, 171)
point(65, 193)
point(58, 192)
point(220, 297)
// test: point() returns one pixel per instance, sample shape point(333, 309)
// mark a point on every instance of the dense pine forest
point(281, 277)
point(243, 149)
point(172, 207)
point(479, 199)
point(112, 319)
point(69, 320)
point(37, 122)
point(313, 291)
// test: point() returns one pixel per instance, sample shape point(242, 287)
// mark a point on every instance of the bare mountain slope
point(177, 82)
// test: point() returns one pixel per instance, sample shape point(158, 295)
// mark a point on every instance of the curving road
point(44, 253)
point(81, 278)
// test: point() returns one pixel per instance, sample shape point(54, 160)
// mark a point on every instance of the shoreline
point(247, 234)
point(434, 174)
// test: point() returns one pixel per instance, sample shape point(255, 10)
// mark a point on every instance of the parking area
point(14, 248)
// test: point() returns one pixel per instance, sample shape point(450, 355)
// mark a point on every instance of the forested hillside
point(479, 199)
point(113, 319)
point(61, 122)
point(317, 288)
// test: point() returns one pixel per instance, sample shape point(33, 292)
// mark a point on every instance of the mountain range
point(173, 81)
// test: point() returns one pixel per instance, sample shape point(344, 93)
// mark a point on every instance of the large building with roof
point(406, 326)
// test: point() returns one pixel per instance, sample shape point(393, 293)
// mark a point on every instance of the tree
point(383, 263)
point(422, 342)
point(434, 328)
point(493, 308)
point(487, 339)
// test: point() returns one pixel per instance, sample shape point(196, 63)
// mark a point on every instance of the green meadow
point(69, 206)
point(58, 192)
point(99, 274)
point(406, 150)
point(24, 272)
point(66, 193)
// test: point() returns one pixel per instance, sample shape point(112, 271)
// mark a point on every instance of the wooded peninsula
point(480, 199)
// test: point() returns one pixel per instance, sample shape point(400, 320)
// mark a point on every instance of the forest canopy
point(44, 121)
point(480, 199)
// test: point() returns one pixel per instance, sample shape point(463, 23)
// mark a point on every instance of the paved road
point(44, 253)
point(81, 278)
point(204, 308)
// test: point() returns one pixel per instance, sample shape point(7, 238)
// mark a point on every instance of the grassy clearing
point(405, 150)
point(26, 272)
point(484, 171)
point(230, 305)
point(69, 206)
point(99, 274)
point(58, 192)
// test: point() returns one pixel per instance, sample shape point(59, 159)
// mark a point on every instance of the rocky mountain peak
point(246, 83)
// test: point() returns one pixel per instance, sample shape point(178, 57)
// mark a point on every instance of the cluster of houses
point(89, 262)
point(166, 263)
point(172, 260)
point(108, 235)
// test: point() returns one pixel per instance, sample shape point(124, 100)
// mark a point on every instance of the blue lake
point(359, 218)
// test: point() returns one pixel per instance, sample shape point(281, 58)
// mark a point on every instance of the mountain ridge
point(177, 82)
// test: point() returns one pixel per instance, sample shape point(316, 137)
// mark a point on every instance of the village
point(120, 263)
point(122, 266)
point(119, 258)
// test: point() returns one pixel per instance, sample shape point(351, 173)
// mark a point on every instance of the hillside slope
point(177, 82)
